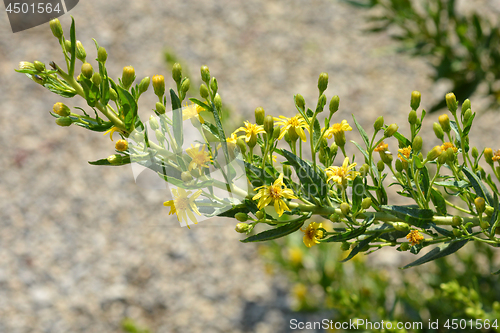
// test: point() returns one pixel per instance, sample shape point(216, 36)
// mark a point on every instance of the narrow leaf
point(276, 232)
point(438, 252)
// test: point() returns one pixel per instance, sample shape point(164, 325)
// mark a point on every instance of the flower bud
point(276, 133)
point(334, 104)
point(434, 153)
point(415, 100)
point(378, 123)
point(451, 155)
point(121, 145)
point(366, 203)
point(399, 165)
point(444, 121)
point(128, 76)
point(205, 74)
point(457, 232)
point(466, 105)
point(457, 221)
point(26, 65)
point(214, 86)
point(345, 208)
point(474, 152)
point(451, 102)
point(345, 246)
point(484, 225)
point(260, 215)
point(401, 226)
point(61, 109)
point(390, 130)
point(300, 102)
point(241, 144)
point(67, 45)
point(488, 155)
point(64, 121)
point(480, 205)
point(87, 70)
point(56, 28)
point(443, 157)
point(386, 157)
point(241, 227)
point(334, 217)
point(467, 115)
point(269, 125)
point(159, 136)
point(115, 159)
point(365, 168)
point(177, 73)
point(39, 66)
point(334, 148)
point(218, 102)
point(204, 91)
point(159, 85)
point(417, 143)
point(260, 114)
point(287, 137)
point(153, 123)
point(160, 108)
point(242, 217)
point(322, 82)
point(80, 51)
point(438, 130)
point(412, 117)
point(144, 85)
point(186, 84)
point(380, 166)
point(186, 176)
point(112, 94)
point(489, 211)
point(96, 79)
point(404, 247)
point(102, 55)
point(321, 103)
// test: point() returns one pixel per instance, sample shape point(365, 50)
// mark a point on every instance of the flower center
point(181, 203)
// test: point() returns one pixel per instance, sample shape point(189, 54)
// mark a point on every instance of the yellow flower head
point(447, 145)
point(381, 147)
point(404, 152)
point(111, 131)
point(183, 205)
point(312, 234)
point(297, 123)
point(232, 139)
point(274, 193)
point(415, 237)
point(340, 174)
point(192, 111)
point(338, 129)
point(496, 157)
point(251, 130)
point(199, 157)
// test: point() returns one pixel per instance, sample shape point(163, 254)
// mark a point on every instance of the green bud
point(365, 168)
point(417, 144)
point(112, 94)
point(484, 225)
point(96, 79)
point(380, 166)
point(61, 110)
point(480, 205)
point(276, 133)
point(334, 148)
point(438, 130)
point(457, 220)
point(457, 232)
point(218, 102)
point(399, 165)
point(269, 125)
point(128, 76)
point(214, 86)
point(321, 155)
point(488, 155)
point(115, 159)
point(287, 170)
point(405, 246)
point(205, 74)
point(334, 217)
point(260, 114)
point(401, 226)
point(467, 115)
point(204, 91)
point(475, 152)
point(159, 136)
point(241, 144)
point(67, 45)
point(434, 153)
point(177, 73)
point(415, 100)
point(444, 121)
point(443, 157)
point(144, 85)
point(102, 55)
point(412, 117)
point(241, 227)
point(159, 85)
point(451, 155)
point(390, 130)
point(186, 176)
point(378, 123)
point(466, 105)
point(345, 208)
point(186, 83)
point(334, 104)
point(451, 102)
point(160, 108)
point(321, 103)
point(26, 65)
point(39, 66)
point(87, 70)
point(56, 28)
point(242, 217)
point(260, 215)
point(80, 51)
point(345, 246)
point(366, 203)
point(64, 121)
point(300, 102)
point(322, 82)
point(153, 123)
point(489, 211)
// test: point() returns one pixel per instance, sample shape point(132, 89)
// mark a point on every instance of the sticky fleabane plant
point(259, 176)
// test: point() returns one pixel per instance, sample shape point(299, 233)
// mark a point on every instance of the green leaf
point(438, 201)
point(452, 183)
point(177, 124)
point(91, 91)
point(276, 232)
point(316, 132)
point(363, 151)
point(365, 241)
point(128, 110)
point(403, 141)
point(72, 34)
point(438, 252)
point(413, 215)
point(200, 103)
point(364, 136)
point(478, 186)
point(257, 176)
point(357, 193)
point(104, 161)
point(351, 233)
point(468, 125)
point(211, 128)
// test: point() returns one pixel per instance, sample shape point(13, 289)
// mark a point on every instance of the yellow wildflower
point(340, 174)
point(415, 237)
point(232, 139)
point(297, 123)
point(274, 193)
point(447, 145)
point(199, 157)
point(496, 157)
point(312, 234)
point(183, 205)
point(192, 111)
point(404, 152)
point(381, 147)
point(111, 131)
point(337, 130)
point(251, 130)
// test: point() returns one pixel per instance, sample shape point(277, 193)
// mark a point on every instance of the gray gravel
point(81, 247)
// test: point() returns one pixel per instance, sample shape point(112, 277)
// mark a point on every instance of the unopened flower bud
point(128, 76)
point(242, 217)
point(269, 125)
point(160, 108)
point(26, 65)
point(404, 247)
point(366, 203)
point(415, 100)
point(64, 121)
point(214, 86)
point(115, 159)
point(205, 74)
point(475, 152)
point(39, 66)
point(144, 85)
point(399, 165)
point(434, 153)
point(241, 144)
point(443, 157)
point(484, 225)
point(321, 103)
point(450, 154)
point(417, 143)
point(218, 102)
point(287, 137)
point(186, 84)
point(386, 157)
point(390, 130)
point(334, 148)
point(378, 123)
point(102, 55)
point(365, 168)
point(412, 117)
point(401, 226)
point(96, 79)
point(345, 246)
point(80, 51)
point(380, 166)
point(61, 109)
point(334, 104)
point(276, 133)
point(451, 102)
point(241, 227)
point(322, 82)
point(87, 70)
point(489, 211)
point(260, 114)
point(457, 221)
point(488, 155)
point(153, 123)
point(466, 105)
point(204, 91)
point(159, 136)
point(457, 232)
point(345, 208)
point(260, 215)
point(121, 145)
point(56, 28)
point(467, 115)
point(67, 45)
point(177, 72)
point(112, 94)
point(444, 121)
point(438, 130)
point(300, 102)
point(480, 205)
point(159, 85)
point(186, 176)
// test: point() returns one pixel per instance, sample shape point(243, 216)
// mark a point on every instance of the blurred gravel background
point(82, 247)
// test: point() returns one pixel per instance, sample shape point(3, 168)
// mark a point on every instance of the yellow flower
point(251, 130)
point(381, 147)
point(274, 193)
point(337, 129)
point(414, 237)
point(496, 157)
point(297, 123)
point(199, 157)
point(183, 205)
point(111, 131)
point(232, 139)
point(447, 145)
point(192, 111)
point(404, 152)
point(341, 174)
point(312, 234)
